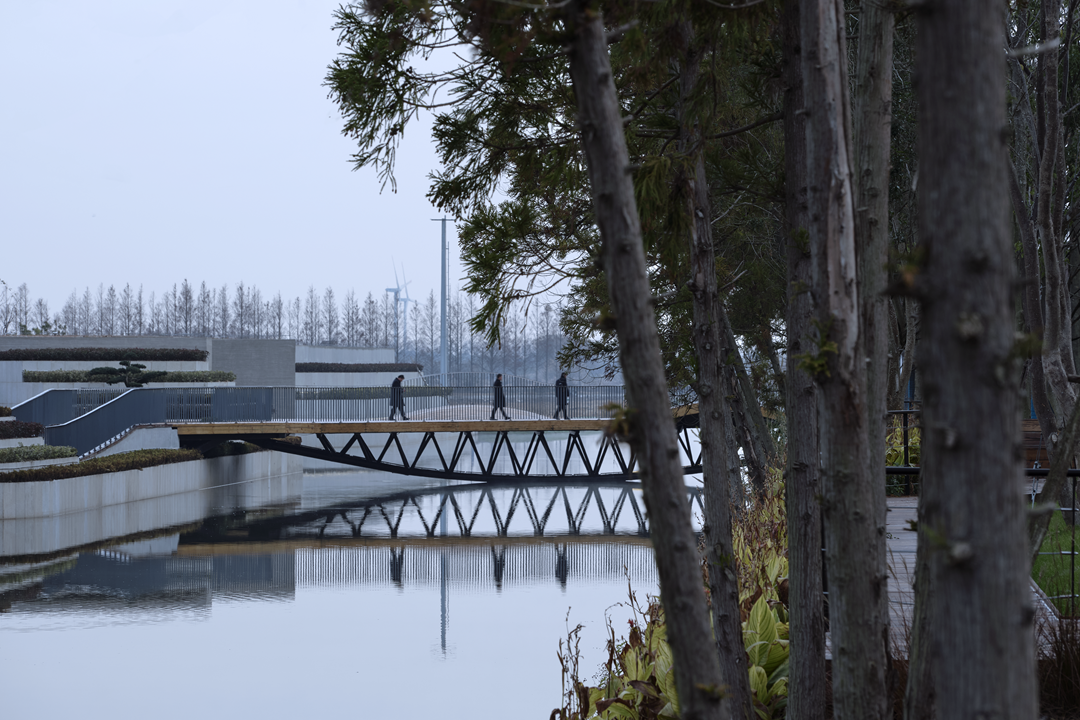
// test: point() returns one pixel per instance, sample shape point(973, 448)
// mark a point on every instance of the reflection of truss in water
point(616, 508)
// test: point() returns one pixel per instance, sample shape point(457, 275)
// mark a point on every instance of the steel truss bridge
point(486, 451)
point(451, 432)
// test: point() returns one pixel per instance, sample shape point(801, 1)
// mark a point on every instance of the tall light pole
point(444, 361)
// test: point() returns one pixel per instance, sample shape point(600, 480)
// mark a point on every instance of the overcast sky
point(149, 142)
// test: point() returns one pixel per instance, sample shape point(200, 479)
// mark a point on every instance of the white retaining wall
point(16, 442)
point(101, 507)
point(30, 464)
point(373, 379)
point(332, 354)
point(93, 492)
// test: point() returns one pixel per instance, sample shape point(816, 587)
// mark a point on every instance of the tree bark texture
point(652, 432)
point(971, 515)
point(806, 612)
point(873, 126)
point(754, 437)
point(713, 410)
point(854, 524)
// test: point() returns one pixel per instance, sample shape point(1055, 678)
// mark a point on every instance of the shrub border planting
point(98, 353)
point(180, 376)
point(135, 460)
point(317, 367)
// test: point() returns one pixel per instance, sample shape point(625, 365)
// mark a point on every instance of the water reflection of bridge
point(494, 510)
point(463, 536)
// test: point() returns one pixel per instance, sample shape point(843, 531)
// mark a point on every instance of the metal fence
point(303, 404)
point(56, 406)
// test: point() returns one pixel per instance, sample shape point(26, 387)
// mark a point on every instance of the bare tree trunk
point(806, 694)
point(648, 420)
point(713, 410)
point(757, 444)
point(873, 125)
point(854, 527)
point(971, 516)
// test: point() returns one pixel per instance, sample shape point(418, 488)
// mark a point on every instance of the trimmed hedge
point(112, 463)
point(114, 354)
point(5, 411)
point(315, 367)
point(28, 453)
point(188, 376)
point(19, 429)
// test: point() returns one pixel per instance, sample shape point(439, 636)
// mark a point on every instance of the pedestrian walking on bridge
point(498, 399)
point(397, 398)
point(562, 395)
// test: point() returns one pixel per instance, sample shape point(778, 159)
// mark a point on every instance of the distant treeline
point(530, 342)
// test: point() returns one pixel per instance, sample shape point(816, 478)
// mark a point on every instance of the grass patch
point(120, 462)
point(1053, 572)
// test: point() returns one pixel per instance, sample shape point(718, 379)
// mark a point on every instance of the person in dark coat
point(498, 400)
point(397, 397)
point(562, 395)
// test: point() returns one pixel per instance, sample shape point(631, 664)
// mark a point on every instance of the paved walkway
point(902, 540)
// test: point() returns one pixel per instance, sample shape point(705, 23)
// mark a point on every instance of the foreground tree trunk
point(652, 432)
point(873, 125)
point(854, 527)
point(713, 410)
point(806, 694)
point(972, 530)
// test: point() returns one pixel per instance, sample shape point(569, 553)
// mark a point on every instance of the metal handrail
point(147, 406)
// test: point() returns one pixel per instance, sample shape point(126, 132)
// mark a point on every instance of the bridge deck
point(384, 426)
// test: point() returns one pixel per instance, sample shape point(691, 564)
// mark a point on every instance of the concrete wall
point(143, 438)
point(25, 442)
point(338, 354)
point(52, 517)
point(259, 363)
point(350, 379)
point(96, 492)
point(30, 464)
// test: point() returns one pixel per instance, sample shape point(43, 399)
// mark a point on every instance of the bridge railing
point(313, 404)
point(59, 405)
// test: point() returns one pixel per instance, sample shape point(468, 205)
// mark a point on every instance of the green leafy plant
point(638, 679)
point(766, 639)
point(894, 447)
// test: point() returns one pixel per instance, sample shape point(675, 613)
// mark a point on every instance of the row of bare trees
point(530, 342)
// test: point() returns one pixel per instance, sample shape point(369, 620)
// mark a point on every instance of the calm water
point(361, 594)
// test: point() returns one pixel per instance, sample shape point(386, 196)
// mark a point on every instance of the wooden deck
point(385, 426)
